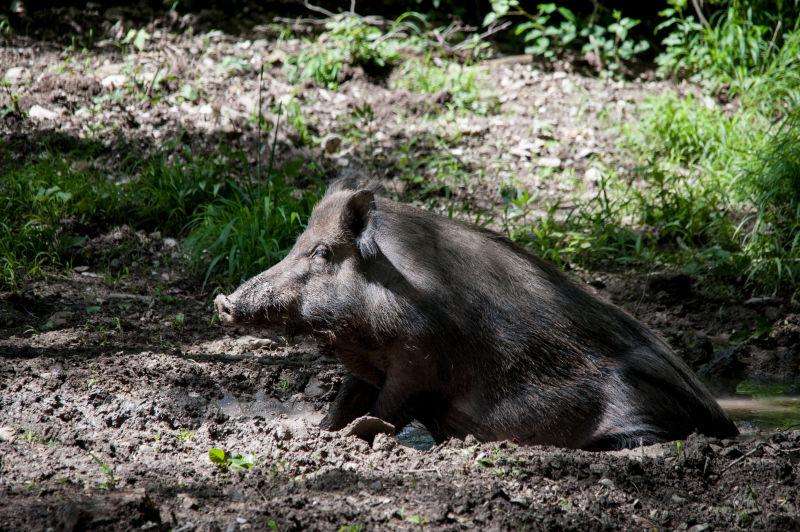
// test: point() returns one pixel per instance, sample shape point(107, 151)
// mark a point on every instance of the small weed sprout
point(231, 461)
point(137, 38)
point(419, 520)
point(680, 449)
point(178, 321)
point(111, 479)
point(359, 527)
point(351, 40)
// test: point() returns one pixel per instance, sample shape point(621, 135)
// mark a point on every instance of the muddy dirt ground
point(113, 388)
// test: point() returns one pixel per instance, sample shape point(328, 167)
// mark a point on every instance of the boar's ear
point(342, 184)
point(357, 215)
point(359, 206)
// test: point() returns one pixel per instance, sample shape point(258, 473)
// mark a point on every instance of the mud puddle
point(297, 411)
point(771, 413)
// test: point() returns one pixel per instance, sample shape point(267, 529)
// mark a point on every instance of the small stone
point(59, 319)
point(254, 343)
point(549, 162)
point(701, 527)
point(241, 520)
point(522, 502)
point(314, 387)
point(732, 453)
point(384, 442)
point(15, 74)
point(593, 174)
point(762, 301)
point(188, 502)
point(677, 499)
point(37, 112)
point(7, 433)
point(597, 468)
point(81, 269)
point(367, 427)
point(525, 149)
point(331, 143)
point(170, 243)
point(114, 81)
point(282, 432)
point(262, 342)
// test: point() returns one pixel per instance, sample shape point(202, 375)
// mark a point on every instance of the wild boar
point(459, 328)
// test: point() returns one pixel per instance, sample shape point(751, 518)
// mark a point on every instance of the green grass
point(236, 237)
point(349, 41)
point(771, 234)
point(715, 190)
point(352, 41)
point(466, 87)
point(712, 194)
point(749, 50)
point(52, 203)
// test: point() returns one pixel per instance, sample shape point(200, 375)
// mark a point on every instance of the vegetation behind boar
point(457, 327)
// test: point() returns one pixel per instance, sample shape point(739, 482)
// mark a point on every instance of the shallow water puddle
point(772, 413)
point(417, 436)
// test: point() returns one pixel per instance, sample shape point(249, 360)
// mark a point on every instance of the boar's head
point(320, 283)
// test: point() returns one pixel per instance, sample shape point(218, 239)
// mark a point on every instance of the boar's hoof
point(224, 309)
point(367, 427)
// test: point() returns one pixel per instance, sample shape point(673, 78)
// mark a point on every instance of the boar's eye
point(322, 252)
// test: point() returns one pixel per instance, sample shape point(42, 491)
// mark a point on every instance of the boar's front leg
point(355, 399)
point(393, 404)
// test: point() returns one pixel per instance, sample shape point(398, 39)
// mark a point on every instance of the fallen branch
point(745, 455)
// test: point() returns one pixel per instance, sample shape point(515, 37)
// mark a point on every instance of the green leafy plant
point(111, 479)
point(12, 108)
point(137, 38)
point(352, 528)
point(231, 461)
point(612, 45)
point(551, 30)
point(488, 459)
point(5, 25)
point(351, 40)
point(419, 520)
point(542, 35)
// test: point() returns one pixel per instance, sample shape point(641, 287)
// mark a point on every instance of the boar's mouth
point(232, 314)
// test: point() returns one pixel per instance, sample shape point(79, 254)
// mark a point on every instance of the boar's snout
point(224, 309)
point(256, 302)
